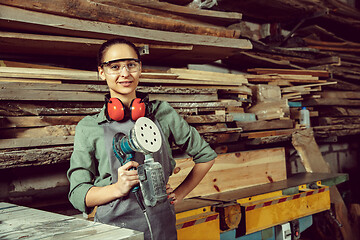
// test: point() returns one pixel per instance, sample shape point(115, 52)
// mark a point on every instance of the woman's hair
point(111, 42)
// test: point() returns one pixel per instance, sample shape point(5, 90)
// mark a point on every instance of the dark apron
point(125, 212)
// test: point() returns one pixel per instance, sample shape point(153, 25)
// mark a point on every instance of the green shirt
point(89, 163)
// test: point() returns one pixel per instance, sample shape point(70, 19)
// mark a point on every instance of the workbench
point(18, 222)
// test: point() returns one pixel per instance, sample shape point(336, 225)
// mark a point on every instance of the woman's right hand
point(127, 179)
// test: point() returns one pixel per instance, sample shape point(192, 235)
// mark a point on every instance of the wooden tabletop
point(18, 222)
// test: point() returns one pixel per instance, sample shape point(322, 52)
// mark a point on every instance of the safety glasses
point(115, 67)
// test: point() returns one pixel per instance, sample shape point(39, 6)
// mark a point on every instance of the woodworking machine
point(273, 211)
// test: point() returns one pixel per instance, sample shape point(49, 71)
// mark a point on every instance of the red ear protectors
point(137, 109)
point(116, 111)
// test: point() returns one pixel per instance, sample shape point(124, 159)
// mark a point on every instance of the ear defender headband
point(117, 111)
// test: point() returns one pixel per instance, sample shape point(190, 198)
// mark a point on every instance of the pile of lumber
point(338, 105)
point(324, 60)
point(42, 103)
point(340, 17)
point(168, 34)
point(40, 107)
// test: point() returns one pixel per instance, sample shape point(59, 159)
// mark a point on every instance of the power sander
point(145, 138)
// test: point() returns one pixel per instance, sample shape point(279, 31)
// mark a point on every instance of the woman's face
point(122, 85)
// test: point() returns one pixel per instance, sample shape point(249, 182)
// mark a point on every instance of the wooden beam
point(340, 94)
point(265, 125)
point(55, 87)
point(35, 157)
point(48, 95)
point(270, 133)
point(314, 73)
point(37, 108)
point(38, 132)
point(295, 88)
point(57, 74)
point(337, 130)
point(335, 111)
point(330, 102)
point(38, 121)
point(208, 118)
point(36, 142)
point(183, 97)
point(206, 76)
point(218, 17)
point(324, 121)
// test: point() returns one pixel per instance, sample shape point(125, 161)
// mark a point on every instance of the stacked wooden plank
point(40, 107)
point(337, 104)
point(58, 29)
point(338, 16)
point(41, 103)
point(144, 14)
point(326, 61)
point(276, 101)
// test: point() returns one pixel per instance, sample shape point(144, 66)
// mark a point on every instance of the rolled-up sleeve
point(82, 170)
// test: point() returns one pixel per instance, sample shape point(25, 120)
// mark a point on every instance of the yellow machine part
point(260, 197)
point(276, 211)
point(198, 224)
point(258, 212)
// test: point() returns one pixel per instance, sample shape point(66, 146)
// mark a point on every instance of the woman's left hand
point(171, 195)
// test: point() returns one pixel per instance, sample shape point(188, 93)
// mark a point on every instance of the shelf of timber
point(40, 107)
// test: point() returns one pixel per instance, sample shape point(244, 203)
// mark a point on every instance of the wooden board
point(238, 79)
point(19, 222)
point(340, 94)
point(38, 132)
point(220, 17)
point(36, 142)
point(183, 97)
point(208, 118)
point(339, 112)
point(331, 102)
point(265, 125)
point(48, 95)
point(38, 121)
point(235, 171)
point(325, 121)
point(38, 108)
point(54, 86)
point(303, 86)
point(269, 133)
point(337, 130)
point(35, 157)
point(314, 73)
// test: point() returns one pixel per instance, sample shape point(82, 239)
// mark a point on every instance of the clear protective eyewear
point(115, 67)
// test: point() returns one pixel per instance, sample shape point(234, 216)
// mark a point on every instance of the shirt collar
point(101, 118)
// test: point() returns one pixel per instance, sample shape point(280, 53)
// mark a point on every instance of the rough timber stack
point(249, 99)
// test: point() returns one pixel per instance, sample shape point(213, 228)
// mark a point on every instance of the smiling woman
point(119, 64)
point(98, 178)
